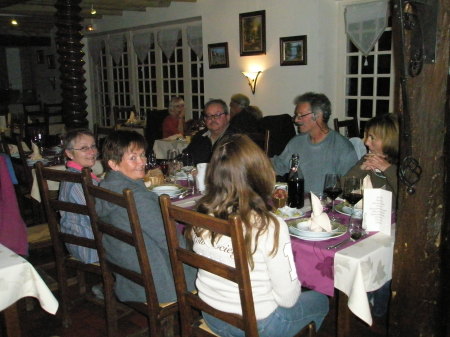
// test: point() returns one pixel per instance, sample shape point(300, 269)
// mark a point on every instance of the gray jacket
point(150, 218)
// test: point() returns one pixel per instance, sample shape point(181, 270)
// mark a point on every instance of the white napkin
point(132, 119)
point(319, 221)
point(201, 173)
point(367, 183)
point(36, 155)
point(13, 148)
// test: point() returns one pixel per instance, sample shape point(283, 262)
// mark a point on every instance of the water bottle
point(296, 184)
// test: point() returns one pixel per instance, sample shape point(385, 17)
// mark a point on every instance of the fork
point(339, 243)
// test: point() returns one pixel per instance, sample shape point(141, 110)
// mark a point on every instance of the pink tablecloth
point(13, 233)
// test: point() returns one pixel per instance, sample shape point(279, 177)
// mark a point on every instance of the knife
point(339, 244)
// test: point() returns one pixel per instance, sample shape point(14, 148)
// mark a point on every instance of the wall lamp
point(252, 77)
point(14, 22)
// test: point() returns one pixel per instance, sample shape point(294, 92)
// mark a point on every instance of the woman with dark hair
point(381, 137)
point(124, 160)
point(240, 180)
point(80, 148)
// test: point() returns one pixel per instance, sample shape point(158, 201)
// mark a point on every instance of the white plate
point(31, 162)
point(288, 213)
point(171, 190)
point(346, 209)
point(316, 239)
point(302, 231)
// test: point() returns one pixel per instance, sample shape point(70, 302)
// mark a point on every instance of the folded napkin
point(367, 183)
point(154, 177)
point(319, 221)
point(36, 155)
point(201, 173)
point(13, 148)
point(174, 137)
point(132, 119)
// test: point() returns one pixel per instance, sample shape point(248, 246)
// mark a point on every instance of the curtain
point(365, 22)
point(167, 40)
point(195, 41)
point(116, 43)
point(95, 49)
point(142, 43)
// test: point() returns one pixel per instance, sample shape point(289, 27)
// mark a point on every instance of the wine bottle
point(296, 184)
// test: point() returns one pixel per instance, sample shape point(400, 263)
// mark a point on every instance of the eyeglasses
point(213, 117)
point(86, 148)
point(301, 116)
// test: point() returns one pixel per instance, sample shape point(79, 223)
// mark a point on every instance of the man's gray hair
point(318, 102)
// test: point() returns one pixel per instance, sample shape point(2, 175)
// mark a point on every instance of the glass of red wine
point(352, 192)
point(332, 188)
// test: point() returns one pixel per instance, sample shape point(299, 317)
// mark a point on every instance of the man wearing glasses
point(321, 149)
point(217, 121)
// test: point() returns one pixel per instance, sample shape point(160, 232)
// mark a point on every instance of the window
point(367, 83)
point(148, 84)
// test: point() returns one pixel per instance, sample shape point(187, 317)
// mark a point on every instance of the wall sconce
point(252, 77)
point(14, 22)
point(93, 10)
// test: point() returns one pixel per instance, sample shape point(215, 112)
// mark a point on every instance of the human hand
point(374, 161)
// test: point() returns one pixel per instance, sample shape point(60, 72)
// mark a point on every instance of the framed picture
point(51, 62)
point(252, 33)
point(293, 50)
point(40, 57)
point(218, 55)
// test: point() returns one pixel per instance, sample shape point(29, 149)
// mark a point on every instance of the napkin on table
point(13, 148)
point(132, 119)
point(366, 184)
point(201, 173)
point(319, 221)
point(36, 155)
point(174, 137)
point(154, 177)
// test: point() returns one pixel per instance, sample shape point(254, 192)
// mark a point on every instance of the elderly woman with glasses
point(174, 123)
point(80, 149)
point(217, 121)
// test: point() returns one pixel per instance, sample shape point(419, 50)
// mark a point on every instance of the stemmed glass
point(151, 161)
point(188, 168)
point(353, 189)
point(332, 188)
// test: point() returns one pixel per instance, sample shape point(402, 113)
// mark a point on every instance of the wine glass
point(332, 188)
point(352, 192)
point(188, 167)
point(151, 161)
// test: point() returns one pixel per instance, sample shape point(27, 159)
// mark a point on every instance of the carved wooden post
point(69, 47)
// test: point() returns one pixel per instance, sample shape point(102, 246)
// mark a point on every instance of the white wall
point(277, 85)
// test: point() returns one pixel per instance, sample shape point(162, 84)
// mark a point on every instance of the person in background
point(243, 117)
point(124, 160)
point(217, 121)
point(321, 149)
point(80, 149)
point(174, 123)
point(240, 180)
point(381, 136)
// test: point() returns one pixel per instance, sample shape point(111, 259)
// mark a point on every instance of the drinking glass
point(332, 188)
point(188, 167)
point(352, 192)
point(151, 162)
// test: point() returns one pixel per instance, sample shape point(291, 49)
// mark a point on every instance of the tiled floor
point(88, 320)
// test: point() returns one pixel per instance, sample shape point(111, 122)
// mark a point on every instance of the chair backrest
point(4, 144)
point(153, 129)
point(26, 175)
point(350, 125)
point(53, 112)
point(281, 131)
point(53, 206)
point(262, 139)
point(189, 302)
point(100, 133)
point(134, 238)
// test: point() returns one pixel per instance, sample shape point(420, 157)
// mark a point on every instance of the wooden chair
point(189, 303)
point(261, 139)
point(281, 131)
point(53, 114)
point(100, 133)
point(155, 312)
point(153, 129)
point(121, 115)
point(350, 125)
point(64, 261)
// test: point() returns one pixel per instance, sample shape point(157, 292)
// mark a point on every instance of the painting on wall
point(218, 55)
point(293, 50)
point(252, 33)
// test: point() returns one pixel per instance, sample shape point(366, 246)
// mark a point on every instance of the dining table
point(349, 271)
point(19, 279)
point(161, 147)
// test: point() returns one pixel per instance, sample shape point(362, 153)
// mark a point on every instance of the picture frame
point(252, 33)
point(293, 50)
point(40, 57)
point(218, 55)
point(51, 62)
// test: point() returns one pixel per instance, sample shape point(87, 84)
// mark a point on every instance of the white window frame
point(340, 104)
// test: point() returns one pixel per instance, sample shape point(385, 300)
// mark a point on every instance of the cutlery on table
point(339, 244)
point(353, 237)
